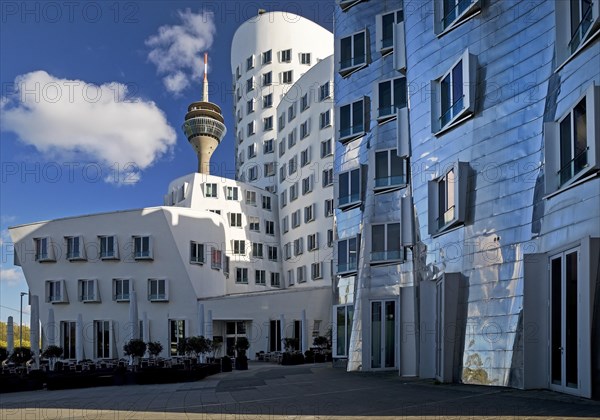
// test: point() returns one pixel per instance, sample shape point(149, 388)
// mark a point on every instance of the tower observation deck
point(204, 126)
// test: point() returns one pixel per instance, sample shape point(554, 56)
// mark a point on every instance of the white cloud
point(177, 49)
point(72, 119)
point(12, 276)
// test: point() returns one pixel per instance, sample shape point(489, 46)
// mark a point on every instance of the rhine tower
point(204, 126)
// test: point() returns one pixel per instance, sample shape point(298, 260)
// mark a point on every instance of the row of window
point(260, 277)
point(298, 275)
point(107, 248)
point(284, 56)
point(88, 290)
point(324, 92)
point(233, 193)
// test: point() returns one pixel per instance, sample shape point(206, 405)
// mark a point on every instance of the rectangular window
point(142, 247)
point(254, 223)
point(250, 85)
point(250, 63)
point(386, 26)
point(348, 255)
point(108, 247)
point(287, 77)
point(287, 250)
point(353, 53)
point(239, 247)
point(268, 101)
point(325, 119)
point(272, 253)
point(251, 128)
point(121, 289)
point(231, 193)
point(282, 147)
point(269, 169)
point(176, 336)
point(573, 143)
point(293, 165)
point(249, 106)
point(266, 202)
point(88, 290)
point(305, 129)
point(285, 224)
point(75, 248)
point(157, 290)
point(305, 157)
point(327, 177)
point(448, 14)
point(267, 56)
point(313, 241)
point(56, 292)
point(290, 277)
point(216, 258)
point(268, 123)
point(324, 91)
point(283, 195)
point(329, 238)
point(342, 329)
point(257, 250)
point(329, 207)
point(282, 172)
point(238, 73)
point(269, 227)
point(43, 249)
point(305, 58)
point(447, 198)
point(391, 97)
point(260, 277)
point(102, 341)
point(196, 253)
point(293, 191)
point(291, 112)
point(309, 213)
point(298, 246)
point(349, 189)
point(390, 170)
point(251, 198)
point(281, 122)
point(292, 139)
point(304, 102)
point(352, 120)
point(275, 280)
point(235, 219)
point(307, 185)
point(326, 149)
point(68, 331)
point(315, 271)
point(267, 78)
point(296, 218)
point(210, 190)
point(286, 56)
point(454, 94)
point(253, 173)
point(268, 146)
point(385, 243)
point(301, 274)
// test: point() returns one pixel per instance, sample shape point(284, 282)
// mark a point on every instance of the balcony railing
point(348, 267)
point(351, 131)
point(452, 111)
point(390, 181)
point(390, 255)
point(353, 62)
point(349, 199)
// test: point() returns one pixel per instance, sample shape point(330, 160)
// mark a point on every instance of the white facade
point(269, 54)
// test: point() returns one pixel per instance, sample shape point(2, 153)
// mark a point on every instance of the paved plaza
point(269, 391)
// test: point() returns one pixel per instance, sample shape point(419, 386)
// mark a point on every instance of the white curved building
point(269, 53)
point(212, 260)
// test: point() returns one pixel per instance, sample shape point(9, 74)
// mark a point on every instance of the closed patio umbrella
point(10, 335)
point(133, 315)
point(79, 338)
point(51, 328)
point(34, 331)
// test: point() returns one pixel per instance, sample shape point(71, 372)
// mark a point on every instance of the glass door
point(383, 334)
point(564, 340)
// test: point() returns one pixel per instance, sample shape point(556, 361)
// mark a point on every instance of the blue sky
point(93, 97)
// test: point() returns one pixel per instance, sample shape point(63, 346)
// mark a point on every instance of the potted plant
point(20, 356)
point(198, 345)
point(154, 348)
point(241, 346)
point(290, 344)
point(52, 353)
point(135, 349)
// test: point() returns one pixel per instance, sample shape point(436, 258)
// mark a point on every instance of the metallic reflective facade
point(520, 85)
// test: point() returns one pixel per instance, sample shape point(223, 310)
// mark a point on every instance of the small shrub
point(20, 355)
point(154, 348)
point(135, 348)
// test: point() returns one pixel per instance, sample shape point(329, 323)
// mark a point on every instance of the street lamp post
point(21, 320)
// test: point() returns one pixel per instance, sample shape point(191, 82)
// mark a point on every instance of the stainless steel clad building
point(467, 193)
